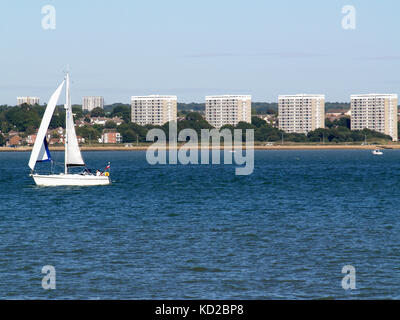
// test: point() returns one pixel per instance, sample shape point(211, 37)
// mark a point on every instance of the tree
point(194, 116)
point(110, 125)
point(121, 111)
point(88, 133)
point(58, 120)
point(189, 107)
point(55, 135)
point(258, 122)
point(267, 133)
point(343, 122)
point(2, 140)
point(264, 107)
point(129, 136)
point(5, 126)
point(296, 137)
point(228, 126)
point(97, 112)
point(328, 123)
point(77, 111)
point(99, 128)
point(318, 135)
point(245, 126)
point(139, 131)
point(30, 130)
point(195, 121)
point(22, 117)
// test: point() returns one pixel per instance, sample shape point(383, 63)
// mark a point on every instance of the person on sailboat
point(86, 172)
point(106, 172)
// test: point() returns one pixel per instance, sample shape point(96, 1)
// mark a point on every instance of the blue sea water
point(200, 232)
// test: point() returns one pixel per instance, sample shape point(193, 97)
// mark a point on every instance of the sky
point(191, 49)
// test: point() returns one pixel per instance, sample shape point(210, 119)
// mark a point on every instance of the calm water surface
point(200, 232)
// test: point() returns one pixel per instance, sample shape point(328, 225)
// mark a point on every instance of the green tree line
point(26, 119)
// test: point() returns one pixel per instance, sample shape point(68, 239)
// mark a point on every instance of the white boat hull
point(70, 180)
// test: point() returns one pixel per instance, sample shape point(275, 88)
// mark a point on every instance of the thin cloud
point(381, 58)
point(283, 55)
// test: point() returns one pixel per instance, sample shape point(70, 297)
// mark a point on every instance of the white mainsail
point(40, 150)
point(73, 155)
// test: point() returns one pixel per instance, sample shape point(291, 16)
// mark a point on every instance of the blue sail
point(44, 154)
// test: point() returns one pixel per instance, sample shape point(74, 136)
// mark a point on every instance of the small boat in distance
point(73, 156)
point(377, 152)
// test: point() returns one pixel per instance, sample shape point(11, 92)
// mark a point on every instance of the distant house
point(336, 114)
point(102, 120)
point(111, 136)
point(55, 136)
point(80, 123)
point(332, 115)
point(98, 120)
point(55, 141)
point(269, 118)
point(59, 131)
point(13, 133)
point(30, 140)
point(80, 139)
point(118, 121)
point(14, 141)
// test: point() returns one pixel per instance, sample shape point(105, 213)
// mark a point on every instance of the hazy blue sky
point(193, 48)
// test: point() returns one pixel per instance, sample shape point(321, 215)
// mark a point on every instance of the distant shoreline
point(275, 147)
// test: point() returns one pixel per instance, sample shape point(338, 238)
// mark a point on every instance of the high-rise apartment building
point(153, 109)
point(90, 103)
point(301, 113)
point(228, 109)
point(28, 100)
point(375, 112)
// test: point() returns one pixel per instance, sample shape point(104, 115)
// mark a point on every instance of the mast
point(73, 156)
point(67, 103)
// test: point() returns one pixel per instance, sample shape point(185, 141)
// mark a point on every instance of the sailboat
point(377, 152)
point(73, 156)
